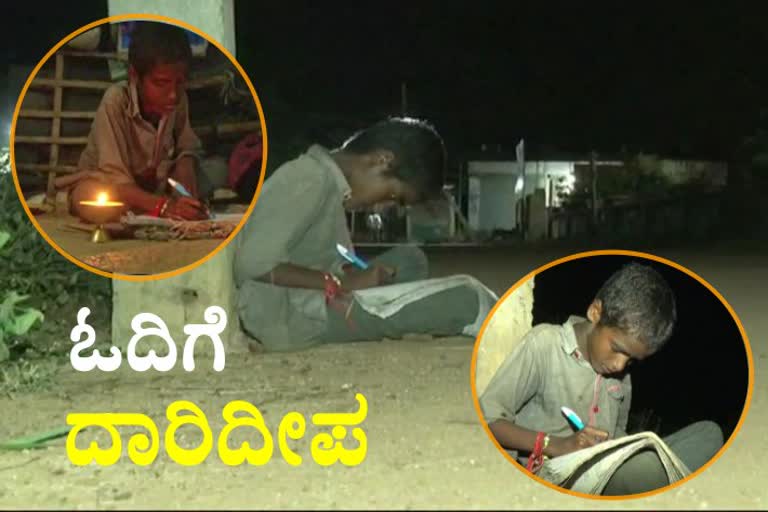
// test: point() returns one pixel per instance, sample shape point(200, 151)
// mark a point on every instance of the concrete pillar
point(180, 300)
point(537, 216)
point(214, 17)
point(510, 322)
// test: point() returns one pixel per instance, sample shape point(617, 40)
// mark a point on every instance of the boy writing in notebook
point(582, 365)
point(294, 289)
point(141, 134)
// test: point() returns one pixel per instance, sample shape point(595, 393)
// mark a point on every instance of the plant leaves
point(23, 322)
point(8, 306)
point(4, 237)
point(13, 298)
point(34, 441)
point(4, 352)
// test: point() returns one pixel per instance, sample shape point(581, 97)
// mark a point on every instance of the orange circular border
point(134, 17)
point(473, 371)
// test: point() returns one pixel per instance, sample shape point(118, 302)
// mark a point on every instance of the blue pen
point(179, 187)
point(183, 191)
point(573, 418)
point(351, 257)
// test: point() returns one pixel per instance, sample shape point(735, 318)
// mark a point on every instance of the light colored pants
point(445, 313)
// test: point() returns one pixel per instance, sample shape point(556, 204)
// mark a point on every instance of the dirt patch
point(426, 447)
point(125, 256)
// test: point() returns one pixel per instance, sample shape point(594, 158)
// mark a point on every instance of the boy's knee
point(416, 258)
point(642, 472)
point(708, 433)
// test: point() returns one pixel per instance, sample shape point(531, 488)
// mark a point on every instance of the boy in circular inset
point(141, 134)
point(582, 365)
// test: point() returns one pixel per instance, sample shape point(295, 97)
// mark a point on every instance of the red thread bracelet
point(332, 287)
point(536, 458)
point(159, 207)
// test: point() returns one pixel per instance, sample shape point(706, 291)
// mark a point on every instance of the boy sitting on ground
point(582, 365)
point(141, 134)
point(293, 288)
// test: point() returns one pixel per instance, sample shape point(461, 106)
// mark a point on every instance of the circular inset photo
point(138, 147)
point(612, 374)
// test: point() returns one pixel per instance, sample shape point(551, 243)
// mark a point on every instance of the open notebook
point(589, 470)
point(146, 227)
point(385, 301)
point(148, 220)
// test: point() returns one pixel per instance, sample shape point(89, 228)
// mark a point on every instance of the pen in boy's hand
point(185, 193)
point(179, 187)
point(351, 257)
point(573, 418)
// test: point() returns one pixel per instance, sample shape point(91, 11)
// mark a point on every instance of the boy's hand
point(376, 275)
point(184, 172)
point(582, 439)
point(185, 208)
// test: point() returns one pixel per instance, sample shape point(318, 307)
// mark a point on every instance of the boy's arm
point(516, 381)
point(135, 197)
point(513, 437)
point(283, 214)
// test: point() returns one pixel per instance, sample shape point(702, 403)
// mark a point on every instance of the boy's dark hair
point(154, 43)
point(420, 156)
point(638, 301)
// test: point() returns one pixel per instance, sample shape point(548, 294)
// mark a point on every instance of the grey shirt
point(546, 372)
point(298, 218)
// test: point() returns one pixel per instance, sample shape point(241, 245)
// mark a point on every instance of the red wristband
point(536, 459)
point(332, 287)
point(158, 207)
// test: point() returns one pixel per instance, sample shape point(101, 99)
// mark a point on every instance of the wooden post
point(505, 330)
point(593, 166)
point(55, 130)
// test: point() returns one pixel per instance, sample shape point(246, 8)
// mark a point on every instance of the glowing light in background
point(569, 182)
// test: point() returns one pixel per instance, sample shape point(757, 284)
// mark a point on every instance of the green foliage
point(32, 267)
point(25, 376)
point(36, 279)
point(15, 321)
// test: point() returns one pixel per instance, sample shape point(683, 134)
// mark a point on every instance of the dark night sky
point(700, 374)
point(680, 81)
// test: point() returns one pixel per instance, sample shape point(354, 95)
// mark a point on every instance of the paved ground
point(426, 448)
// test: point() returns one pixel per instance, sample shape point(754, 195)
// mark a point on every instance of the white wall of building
point(214, 17)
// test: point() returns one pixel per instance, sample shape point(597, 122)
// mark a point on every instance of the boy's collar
point(134, 107)
point(133, 94)
point(321, 154)
point(569, 342)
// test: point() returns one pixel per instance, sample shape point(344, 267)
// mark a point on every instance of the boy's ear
point(381, 160)
point(595, 311)
point(384, 157)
